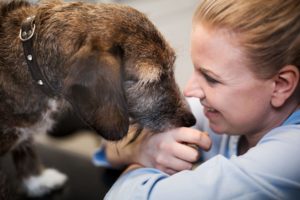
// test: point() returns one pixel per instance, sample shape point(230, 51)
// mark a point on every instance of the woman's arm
point(266, 171)
point(171, 151)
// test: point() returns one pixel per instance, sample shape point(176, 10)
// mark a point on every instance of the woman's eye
point(210, 79)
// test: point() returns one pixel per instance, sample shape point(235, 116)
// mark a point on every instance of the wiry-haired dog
point(108, 62)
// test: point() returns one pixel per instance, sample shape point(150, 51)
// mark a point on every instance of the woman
point(246, 57)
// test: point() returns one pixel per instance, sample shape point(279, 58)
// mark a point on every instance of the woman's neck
point(248, 141)
point(245, 143)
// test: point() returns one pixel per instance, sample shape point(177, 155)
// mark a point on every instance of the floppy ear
point(93, 86)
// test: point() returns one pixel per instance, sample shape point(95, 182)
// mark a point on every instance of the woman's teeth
point(211, 110)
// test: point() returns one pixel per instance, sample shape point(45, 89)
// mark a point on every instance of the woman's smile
point(211, 113)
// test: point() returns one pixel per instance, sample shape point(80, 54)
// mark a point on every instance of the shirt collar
point(294, 118)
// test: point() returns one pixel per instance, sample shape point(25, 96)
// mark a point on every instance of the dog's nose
point(188, 120)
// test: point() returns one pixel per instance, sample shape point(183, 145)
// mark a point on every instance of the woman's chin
point(217, 129)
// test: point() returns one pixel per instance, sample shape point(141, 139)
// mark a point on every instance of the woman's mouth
point(210, 113)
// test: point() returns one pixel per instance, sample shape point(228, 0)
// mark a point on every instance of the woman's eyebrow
point(206, 71)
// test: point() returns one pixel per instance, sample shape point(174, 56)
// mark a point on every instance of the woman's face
point(234, 100)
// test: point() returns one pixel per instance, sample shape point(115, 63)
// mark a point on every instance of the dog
point(107, 62)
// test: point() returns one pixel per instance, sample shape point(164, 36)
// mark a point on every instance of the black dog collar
point(26, 34)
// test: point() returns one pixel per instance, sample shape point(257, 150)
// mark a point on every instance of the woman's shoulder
point(287, 134)
point(276, 155)
point(281, 143)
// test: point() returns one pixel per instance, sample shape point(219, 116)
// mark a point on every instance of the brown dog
point(108, 62)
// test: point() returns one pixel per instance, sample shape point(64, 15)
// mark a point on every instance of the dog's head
point(110, 92)
point(121, 72)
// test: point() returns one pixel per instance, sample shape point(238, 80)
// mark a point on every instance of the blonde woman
point(246, 57)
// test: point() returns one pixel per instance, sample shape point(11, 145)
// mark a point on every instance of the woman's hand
point(170, 151)
point(174, 150)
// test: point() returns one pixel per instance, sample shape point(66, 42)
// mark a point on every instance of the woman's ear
point(285, 84)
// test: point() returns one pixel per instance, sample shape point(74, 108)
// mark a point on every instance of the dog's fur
point(107, 60)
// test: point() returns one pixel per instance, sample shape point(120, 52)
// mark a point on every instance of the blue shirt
point(270, 170)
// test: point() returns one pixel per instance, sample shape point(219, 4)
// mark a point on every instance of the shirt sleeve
point(99, 158)
point(270, 170)
point(136, 184)
point(215, 179)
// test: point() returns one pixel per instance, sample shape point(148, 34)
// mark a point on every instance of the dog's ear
point(94, 88)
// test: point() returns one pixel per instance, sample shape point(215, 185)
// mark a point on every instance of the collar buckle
point(28, 28)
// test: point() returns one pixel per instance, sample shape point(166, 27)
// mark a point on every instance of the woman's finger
point(186, 152)
point(193, 136)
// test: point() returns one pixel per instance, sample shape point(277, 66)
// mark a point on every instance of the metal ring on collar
point(27, 34)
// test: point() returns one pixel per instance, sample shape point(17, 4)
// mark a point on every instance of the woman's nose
point(193, 88)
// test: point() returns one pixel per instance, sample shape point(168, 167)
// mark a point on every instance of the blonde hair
point(268, 31)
